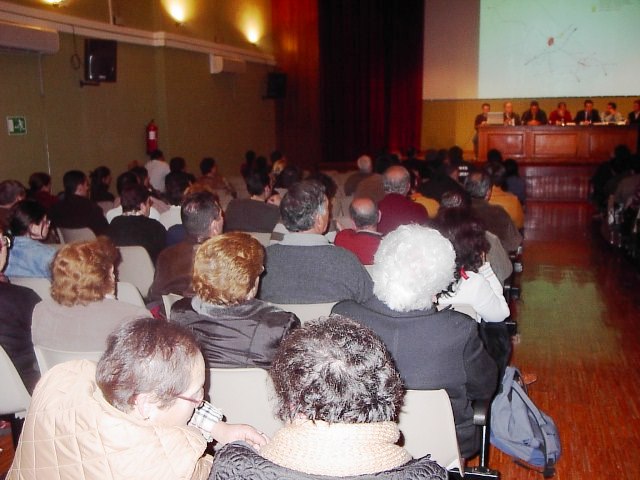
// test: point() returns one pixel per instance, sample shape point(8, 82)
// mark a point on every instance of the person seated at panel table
point(587, 116)
point(534, 116)
point(612, 115)
point(139, 413)
point(338, 393)
point(560, 116)
point(634, 115)
point(511, 117)
point(234, 328)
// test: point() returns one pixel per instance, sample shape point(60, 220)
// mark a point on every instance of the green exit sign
point(17, 125)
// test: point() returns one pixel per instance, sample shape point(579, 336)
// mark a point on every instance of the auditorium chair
point(50, 357)
point(42, 286)
point(307, 311)
point(69, 235)
point(136, 268)
point(15, 399)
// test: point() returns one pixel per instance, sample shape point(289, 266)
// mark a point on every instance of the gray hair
point(397, 180)
point(478, 184)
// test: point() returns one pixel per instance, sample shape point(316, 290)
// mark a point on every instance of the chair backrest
point(263, 238)
point(307, 311)
point(168, 300)
point(136, 268)
point(427, 425)
point(105, 205)
point(50, 357)
point(127, 292)
point(245, 396)
point(15, 398)
point(76, 234)
point(42, 286)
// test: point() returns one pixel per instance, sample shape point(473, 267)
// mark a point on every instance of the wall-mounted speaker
point(276, 85)
point(100, 60)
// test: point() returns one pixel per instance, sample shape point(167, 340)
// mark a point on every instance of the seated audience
point(612, 115)
point(534, 116)
point(444, 178)
point(125, 179)
point(287, 177)
point(157, 199)
point(365, 169)
point(16, 307)
point(305, 267)
point(134, 227)
point(201, 219)
point(475, 285)
point(560, 116)
point(396, 208)
point(157, 168)
point(176, 184)
point(100, 181)
point(430, 205)
point(499, 196)
point(29, 257)
point(432, 349)
point(11, 192)
point(75, 210)
point(373, 186)
point(253, 214)
point(338, 393)
point(40, 190)
point(365, 238)
point(83, 309)
point(139, 413)
point(215, 181)
point(514, 182)
point(494, 217)
point(588, 115)
point(234, 328)
point(510, 117)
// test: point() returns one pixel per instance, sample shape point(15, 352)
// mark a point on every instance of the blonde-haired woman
point(234, 328)
point(84, 310)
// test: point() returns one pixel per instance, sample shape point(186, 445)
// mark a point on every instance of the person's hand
point(224, 433)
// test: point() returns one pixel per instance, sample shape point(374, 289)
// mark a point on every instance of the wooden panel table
point(556, 162)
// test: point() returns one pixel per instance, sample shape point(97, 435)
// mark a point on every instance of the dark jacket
point(244, 335)
point(74, 211)
point(239, 461)
point(434, 350)
point(126, 231)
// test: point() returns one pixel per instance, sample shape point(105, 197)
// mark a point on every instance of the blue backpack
point(522, 430)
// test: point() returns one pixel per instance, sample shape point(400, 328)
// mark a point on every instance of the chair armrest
point(481, 412)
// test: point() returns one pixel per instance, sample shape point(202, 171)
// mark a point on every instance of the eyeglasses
point(6, 240)
point(195, 401)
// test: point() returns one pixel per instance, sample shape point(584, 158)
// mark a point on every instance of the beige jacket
point(71, 432)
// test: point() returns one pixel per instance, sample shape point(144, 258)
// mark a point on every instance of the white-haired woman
point(432, 349)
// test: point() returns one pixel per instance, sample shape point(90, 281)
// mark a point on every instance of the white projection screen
point(531, 48)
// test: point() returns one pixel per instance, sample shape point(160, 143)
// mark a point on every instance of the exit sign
point(17, 125)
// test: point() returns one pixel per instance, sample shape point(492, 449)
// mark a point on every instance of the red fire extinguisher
point(152, 137)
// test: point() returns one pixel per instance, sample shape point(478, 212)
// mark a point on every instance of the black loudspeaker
point(100, 60)
point(276, 85)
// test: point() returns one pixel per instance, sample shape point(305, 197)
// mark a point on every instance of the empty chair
point(307, 311)
point(136, 268)
point(50, 357)
point(127, 292)
point(42, 286)
point(245, 396)
point(69, 235)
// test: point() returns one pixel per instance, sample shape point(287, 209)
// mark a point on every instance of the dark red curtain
point(370, 76)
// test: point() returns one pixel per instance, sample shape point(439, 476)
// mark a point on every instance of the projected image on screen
point(550, 48)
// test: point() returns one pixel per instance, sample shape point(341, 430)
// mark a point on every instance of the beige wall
point(450, 122)
point(198, 114)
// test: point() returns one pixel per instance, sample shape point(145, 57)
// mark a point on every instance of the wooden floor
point(579, 318)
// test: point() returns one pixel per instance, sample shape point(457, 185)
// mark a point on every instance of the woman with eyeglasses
point(29, 257)
point(16, 307)
point(139, 413)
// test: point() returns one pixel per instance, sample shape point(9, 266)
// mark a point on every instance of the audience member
point(215, 181)
point(29, 226)
point(126, 417)
point(373, 186)
point(305, 267)
point(11, 192)
point(287, 177)
point(83, 309)
point(16, 308)
point(40, 190)
point(158, 169)
point(432, 349)
point(510, 117)
point(134, 227)
point(396, 208)
point(494, 217)
point(445, 178)
point(612, 115)
point(534, 116)
point(498, 196)
point(100, 181)
point(365, 238)
point(560, 116)
point(253, 214)
point(175, 187)
point(588, 115)
point(202, 219)
point(156, 195)
point(514, 182)
point(125, 179)
point(75, 210)
point(430, 205)
point(234, 328)
point(338, 393)
point(365, 169)
point(249, 163)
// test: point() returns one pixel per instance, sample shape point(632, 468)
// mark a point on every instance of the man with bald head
point(365, 169)
point(396, 208)
point(363, 240)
